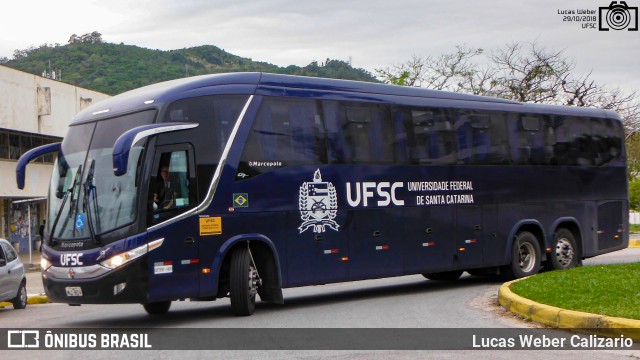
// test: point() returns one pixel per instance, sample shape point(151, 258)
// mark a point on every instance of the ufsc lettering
point(384, 192)
point(71, 259)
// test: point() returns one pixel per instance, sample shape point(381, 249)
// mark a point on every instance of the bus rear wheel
point(157, 308)
point(243, 282)
point(525, 257)
point(444, 276)
point(564, 251)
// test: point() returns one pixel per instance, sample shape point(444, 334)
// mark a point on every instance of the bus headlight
point(44, 264)
point(121, 259)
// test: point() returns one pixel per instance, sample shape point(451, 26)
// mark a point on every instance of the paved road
point(404, 302)
point(629, 255)
point(409, 301)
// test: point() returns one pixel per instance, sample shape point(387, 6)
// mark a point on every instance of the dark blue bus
point(237, 185)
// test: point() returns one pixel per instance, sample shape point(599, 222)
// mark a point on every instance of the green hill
point(112, 68)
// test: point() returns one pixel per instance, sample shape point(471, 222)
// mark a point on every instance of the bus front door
point(174, 265)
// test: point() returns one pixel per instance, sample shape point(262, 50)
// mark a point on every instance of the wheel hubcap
point(564, 252)
point(527, 257)
point(23, 295)
point(254, 281)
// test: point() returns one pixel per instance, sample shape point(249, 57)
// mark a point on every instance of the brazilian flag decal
point(241, 200)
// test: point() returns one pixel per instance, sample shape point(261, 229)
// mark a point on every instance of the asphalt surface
point(407, 301)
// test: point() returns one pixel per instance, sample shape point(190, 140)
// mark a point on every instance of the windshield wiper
point(64, 201)
point(89, 191)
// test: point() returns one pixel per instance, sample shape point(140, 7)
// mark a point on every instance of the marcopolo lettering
point(384, 192)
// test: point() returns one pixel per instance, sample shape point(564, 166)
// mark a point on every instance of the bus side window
point(475, 137)
point(335, 140)
point(549, 141)
point(357, 132)
point(420, 124)
point(361, 134)
point(286, 132)
point(170, 191)
point(431, 137)
point(527, 139)
point(479, 138)
point(400, 138)
point(499, 152)
point(216, 116)
point(573, 141)
point(606, 136)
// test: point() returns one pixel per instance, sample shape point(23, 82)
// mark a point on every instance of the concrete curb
point(634, 243)
point(37, 299)
point(567, 319)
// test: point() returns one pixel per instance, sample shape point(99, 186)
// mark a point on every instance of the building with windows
point(34, 111)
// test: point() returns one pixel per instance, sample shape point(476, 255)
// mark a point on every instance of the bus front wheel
point(564, 252)
point(525, 257)
point(157, 308)
point(444, 276)
point(243, 282)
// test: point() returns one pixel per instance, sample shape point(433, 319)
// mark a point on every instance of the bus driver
point(163, 194)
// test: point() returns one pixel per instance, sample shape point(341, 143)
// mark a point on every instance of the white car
point(13, 282)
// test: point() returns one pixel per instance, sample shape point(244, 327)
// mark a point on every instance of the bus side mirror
point(27, 157)
point(125, 142)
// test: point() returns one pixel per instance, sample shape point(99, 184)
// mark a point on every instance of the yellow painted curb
point(38, 299)
point(566, 319)
point(634, 243)
point(31, 300)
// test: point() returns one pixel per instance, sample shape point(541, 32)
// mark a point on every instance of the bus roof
point(154, 96)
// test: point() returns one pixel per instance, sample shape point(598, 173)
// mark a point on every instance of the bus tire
point(20, 301)
point(444, 276)
point(564, 251)
point(483, 272)
point(243, 282)
point(157, 308)
point(525, 257)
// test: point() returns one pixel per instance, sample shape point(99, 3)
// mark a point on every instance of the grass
point(612, 290)
point(634, 227)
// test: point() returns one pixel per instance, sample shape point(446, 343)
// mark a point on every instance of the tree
point(633, 155)
point(634, 194)
point(521, 72)
point(440, 73)
point(90, 38)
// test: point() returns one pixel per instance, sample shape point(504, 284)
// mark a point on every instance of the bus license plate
point(73, 290)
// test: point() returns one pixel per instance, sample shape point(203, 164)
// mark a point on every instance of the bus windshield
point(85, 197)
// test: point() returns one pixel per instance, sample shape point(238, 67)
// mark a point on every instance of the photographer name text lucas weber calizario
point(618, 16)
point(579, 15)
point(577, 12)
point(549, 342)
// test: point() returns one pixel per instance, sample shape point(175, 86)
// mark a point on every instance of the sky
point(370, 34)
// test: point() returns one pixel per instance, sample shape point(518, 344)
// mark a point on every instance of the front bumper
point(101, 288)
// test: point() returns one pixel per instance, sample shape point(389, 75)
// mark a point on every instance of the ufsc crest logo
point(318, 203)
